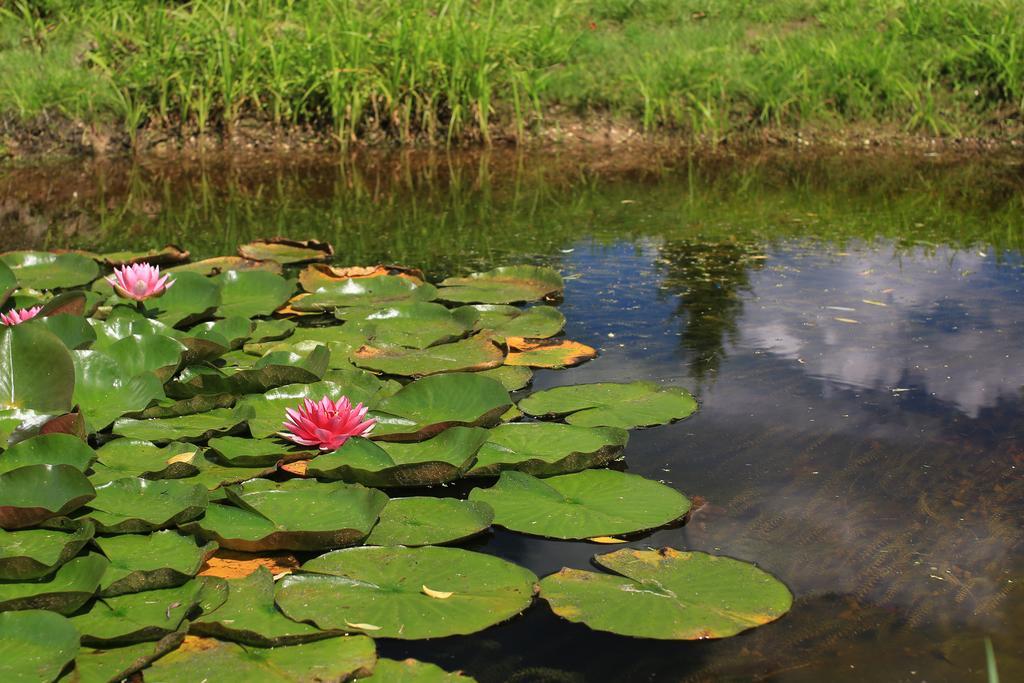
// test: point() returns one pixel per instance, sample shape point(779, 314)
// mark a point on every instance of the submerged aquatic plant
point(16, 317)
point(139, 281)
point(325, 423)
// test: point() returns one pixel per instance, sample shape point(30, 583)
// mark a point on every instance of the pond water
point(853, 328)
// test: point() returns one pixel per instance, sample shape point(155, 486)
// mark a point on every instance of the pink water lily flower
point(139, 281)
point(326, 424)
point(13, 317)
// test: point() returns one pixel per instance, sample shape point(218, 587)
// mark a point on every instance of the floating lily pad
point(340, 340)
point(191, 298)
point(122, 458)
point(268, 373)
point(34, 553)
point(119, 663)
point(134, 505)
point(316, 275)
point(416, 325)
point(432, 404)
point(268, 409)
point(438, 460)
point(287, 251)
point(370, 292)
point(155, 257)
point(213, 474)
point(269, 330)
point(138, 617)
point(406, 593)
point(197, 427)
point(124, 321)
point(234, 330)
point(36, 370)
point(545, 449)
point(35, 645)
point(413, 671)
point(8, 282)
point(67, 590)
point(145, 562)
point(547, 353)
point(222, 264)
point(248, 293)
point(249, 616)
point(48, 449)
point(30, 495)
point(607, 404)
point(476, 353)
point(512, 377)
point(537, 322)
point(138, 354)
point(504, 285)
point(294, 515)
point(668, 594)
point(581, 505)
point(203, 659)
point(73, 330)
point(423, 520)
point(104, 391)
point(238, 452)
point(46, 270)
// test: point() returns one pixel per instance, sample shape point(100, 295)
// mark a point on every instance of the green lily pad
point(234, 330)
point(222, 264)
point(286, 251)
point(268, 409)
point(30, 495)
point(512, 377)
point(423, 520)
point(191, 298)
point(45, 270)
point(413, 671)
point(36, 370)
point(438, 460)
point(123, 458)
point(8, 282)
point(607, 404)
point(119, 663)
point(124, 321)
point(293, 515)
point(163, 559)
point(476, 353)
point(248, 293)
point(406, 593)
point(416, 325)
point(367, 292)
point(196, 427)
point(334, 659)
point(249, 616)
point(504, 285)
point(138, 617)
point(73, 330)
point(34, 553)
point(35, 645)
point(238, 452)
point(213, 474)
point(581, 505)
point(68, 589)
point(104, 391)
point(155, 257)
point(134, 505)
point(432, 404)
point(48, 449)
point(544, 449)
point(340, 340)
point(142, 353)
point(269, 372)
point(536, 322)
point(668, 594)
point(270, 330)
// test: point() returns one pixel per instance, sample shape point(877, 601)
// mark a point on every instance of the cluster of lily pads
point(155, 516)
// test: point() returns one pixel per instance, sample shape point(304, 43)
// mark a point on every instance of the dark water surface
point(853, 327)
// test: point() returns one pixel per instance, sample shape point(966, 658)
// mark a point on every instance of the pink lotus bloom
point(139, 281)
point(325, 423)
point(13, 317)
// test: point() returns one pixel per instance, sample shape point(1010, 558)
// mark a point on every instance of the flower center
point(139, 287)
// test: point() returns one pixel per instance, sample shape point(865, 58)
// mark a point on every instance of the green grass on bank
point(430, 69)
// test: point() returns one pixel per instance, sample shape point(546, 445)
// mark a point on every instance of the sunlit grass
point(462, 69)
